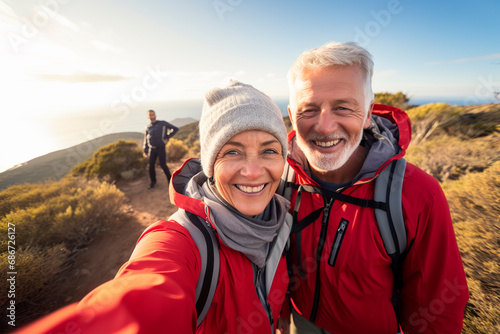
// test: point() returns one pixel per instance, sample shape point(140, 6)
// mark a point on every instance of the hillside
point(55, 165)
point(179, 122)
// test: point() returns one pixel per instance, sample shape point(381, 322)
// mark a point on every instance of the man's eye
point(343, 110)
point(307, 112)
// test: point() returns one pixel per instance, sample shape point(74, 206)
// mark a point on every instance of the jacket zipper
point(321, 244)
point(262, 296)
point(337, 242)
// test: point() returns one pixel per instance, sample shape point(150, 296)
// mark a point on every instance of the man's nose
point(327, 123)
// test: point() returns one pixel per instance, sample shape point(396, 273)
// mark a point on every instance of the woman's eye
point(231, 152)
point(271, 151)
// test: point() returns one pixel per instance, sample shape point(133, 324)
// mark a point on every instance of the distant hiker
point(343, 279)
point(155, 139)
point(230, 222)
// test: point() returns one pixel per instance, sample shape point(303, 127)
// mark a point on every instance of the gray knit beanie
point(233, 109)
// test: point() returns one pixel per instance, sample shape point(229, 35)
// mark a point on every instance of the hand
point(144, 155)
point(283, 325)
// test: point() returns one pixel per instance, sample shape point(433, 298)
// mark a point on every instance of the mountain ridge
point(54, 165)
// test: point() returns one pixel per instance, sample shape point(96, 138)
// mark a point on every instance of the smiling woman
point(231, 189)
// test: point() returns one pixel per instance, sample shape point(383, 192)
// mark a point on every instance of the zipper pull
point(326, 212)
point(337, 242)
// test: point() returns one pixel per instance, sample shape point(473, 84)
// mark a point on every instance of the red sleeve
point(434, 291)
point(154, 292)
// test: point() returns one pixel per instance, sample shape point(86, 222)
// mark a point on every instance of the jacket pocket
point(337, 242)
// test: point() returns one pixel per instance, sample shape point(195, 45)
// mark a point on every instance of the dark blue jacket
point(157, 134)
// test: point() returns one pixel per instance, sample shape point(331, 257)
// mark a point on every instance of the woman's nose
point(252, 169)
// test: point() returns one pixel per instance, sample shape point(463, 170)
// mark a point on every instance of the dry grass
point(475, 206)
point(460, 146)
point(52, 221)
point(447, 157)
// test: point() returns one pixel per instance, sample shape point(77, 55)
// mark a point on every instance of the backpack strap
point(388, 189)
point(287, 182)
point(391, 224)
point(203, 235)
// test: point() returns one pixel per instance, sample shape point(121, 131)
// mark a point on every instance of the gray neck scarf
point(250, 235)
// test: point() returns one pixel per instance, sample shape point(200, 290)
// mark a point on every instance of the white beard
point(329, 161)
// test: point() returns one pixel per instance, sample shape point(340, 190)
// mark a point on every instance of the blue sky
point(61, 56)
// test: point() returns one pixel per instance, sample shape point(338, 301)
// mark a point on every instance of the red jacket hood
point(180, 178)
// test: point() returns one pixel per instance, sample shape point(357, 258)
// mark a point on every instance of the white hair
point(333, 54)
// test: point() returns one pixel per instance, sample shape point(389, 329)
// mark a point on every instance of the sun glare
point(34, 141)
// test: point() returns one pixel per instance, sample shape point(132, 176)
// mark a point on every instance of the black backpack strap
point(203, 235)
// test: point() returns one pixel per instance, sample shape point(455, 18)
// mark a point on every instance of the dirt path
point(110, 250)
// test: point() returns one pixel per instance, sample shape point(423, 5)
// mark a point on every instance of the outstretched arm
point(154, 292)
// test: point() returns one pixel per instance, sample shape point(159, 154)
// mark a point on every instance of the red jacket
point(354, 295)
point(155, 291)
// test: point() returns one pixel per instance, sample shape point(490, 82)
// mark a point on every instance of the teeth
point(250, 189)
point(327, 143)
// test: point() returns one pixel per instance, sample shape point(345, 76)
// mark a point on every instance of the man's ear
point(368, 116)
point(291, 118)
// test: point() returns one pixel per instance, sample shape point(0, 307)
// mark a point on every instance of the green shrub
point(176, 150)
point(398, 100)
point(434, 111)
point(112, 160)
